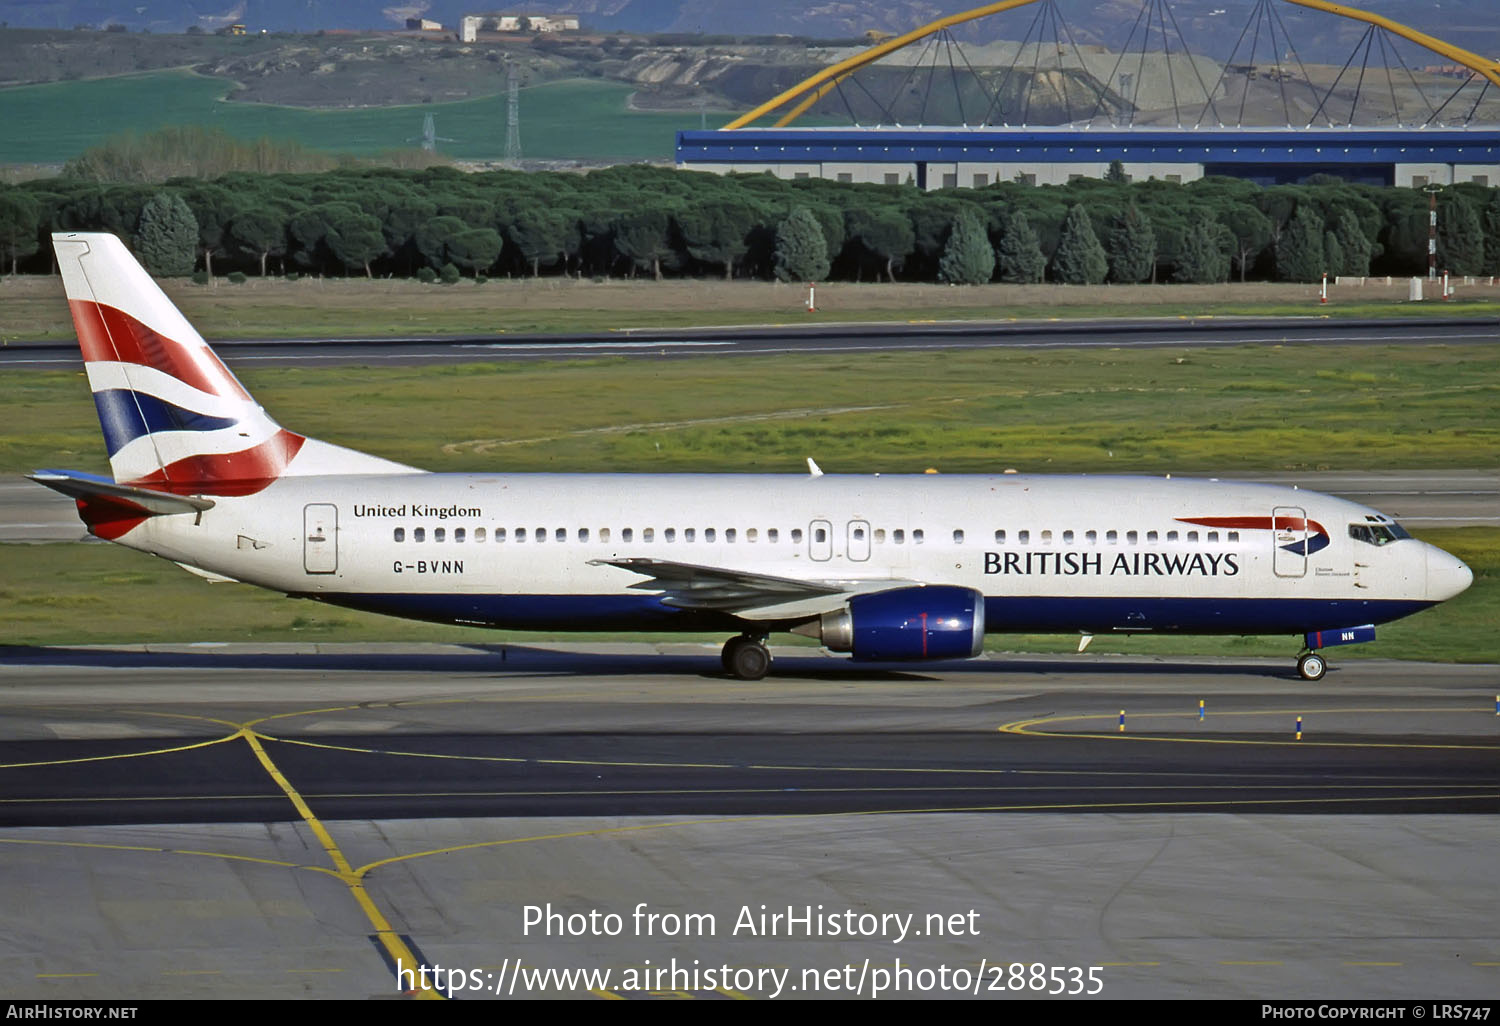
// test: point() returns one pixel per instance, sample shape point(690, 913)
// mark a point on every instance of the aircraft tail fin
point(175, 419)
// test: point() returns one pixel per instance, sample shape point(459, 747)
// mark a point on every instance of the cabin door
point(320, 538)
point(1289, 536)
point(820, 540)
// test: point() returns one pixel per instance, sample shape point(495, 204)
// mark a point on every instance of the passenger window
point(1171, 536)
point(689, 534)
point(604, 534)
point(400, 534)
point(1132, 537)
point(1151, 536)
point(499, 534)
point(1113, 537)
point(439, 534)
point(1067, 537)
point(999, 537)
point(958, 537)
point(710, 534)
point(1046, 537)
point(898, 536)
point(419, 534)
point(729, 534)
point(879, 536)
point(1024, 537)
point(561, 534)
point(859, 534)
point(648, 534)
point(670, 534)
point(1234, 536)
point(583, 534)
point(458, 534)
point(751, 534)
point(819, 535)
point(917, 536)
point(541, 534)
point(797, 536)
point(478, 534)
point(627, 534)
point(1092, 536)
point(520, 535)
point(1192, 536)
point(773, 535)
point(1213, 536)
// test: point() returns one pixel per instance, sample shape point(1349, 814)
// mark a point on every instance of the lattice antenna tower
point(513, 118)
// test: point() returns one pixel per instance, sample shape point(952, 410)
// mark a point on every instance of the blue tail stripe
point(126, 415)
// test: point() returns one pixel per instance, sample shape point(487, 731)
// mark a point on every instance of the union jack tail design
point(174, 418)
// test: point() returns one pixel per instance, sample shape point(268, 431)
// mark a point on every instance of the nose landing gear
point(746, 658)
point(1311, 666)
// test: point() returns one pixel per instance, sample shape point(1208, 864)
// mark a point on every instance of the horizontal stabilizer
point(86, 487)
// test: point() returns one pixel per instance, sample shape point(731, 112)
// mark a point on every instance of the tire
point(747, 659)
point(1312, 666)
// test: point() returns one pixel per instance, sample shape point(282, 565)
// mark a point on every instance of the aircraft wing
point(750, 595)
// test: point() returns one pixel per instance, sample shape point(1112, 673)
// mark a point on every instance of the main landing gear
point(746, 658)
point(1311, 666)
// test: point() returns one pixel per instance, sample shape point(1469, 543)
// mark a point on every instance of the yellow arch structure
point(813, 88)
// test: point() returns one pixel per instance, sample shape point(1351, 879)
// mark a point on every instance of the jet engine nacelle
point(907, 625)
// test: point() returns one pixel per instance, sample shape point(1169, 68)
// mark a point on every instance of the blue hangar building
point(945, 158)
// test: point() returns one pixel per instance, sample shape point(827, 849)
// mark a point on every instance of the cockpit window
point(1377, 534)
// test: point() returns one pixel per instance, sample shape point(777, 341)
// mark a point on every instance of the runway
point(824, 339)
point(226, 821)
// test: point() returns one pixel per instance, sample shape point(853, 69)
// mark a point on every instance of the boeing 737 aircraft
point(888, 568)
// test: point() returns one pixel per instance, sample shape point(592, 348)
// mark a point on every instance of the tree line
point(440, 223)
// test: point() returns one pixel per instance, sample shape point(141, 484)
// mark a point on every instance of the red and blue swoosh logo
point(1316, 539)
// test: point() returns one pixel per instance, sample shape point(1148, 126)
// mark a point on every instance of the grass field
point(572, 119)
point(33, 307)
point(1244, 409)
point(1239, 409)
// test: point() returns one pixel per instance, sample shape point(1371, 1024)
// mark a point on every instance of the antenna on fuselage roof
point(813, 468)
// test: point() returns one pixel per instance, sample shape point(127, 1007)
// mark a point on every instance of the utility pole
point(512, 118)
point(1432, 191)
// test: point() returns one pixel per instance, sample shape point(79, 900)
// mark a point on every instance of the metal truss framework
point(801, 97)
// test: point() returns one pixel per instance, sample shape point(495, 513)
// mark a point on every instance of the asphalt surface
point(822, 338)
point(291, 821)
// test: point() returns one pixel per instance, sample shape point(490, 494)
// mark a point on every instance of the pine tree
point(1020, 253)
point(167, 241)
point(801, 248)
point(1116, 174)
point(968, 258)
point(1299, 251)
point(1205, 253)
point(1131, 247)
point(1354, 245)
point(1079, 259)
point(1460, 236)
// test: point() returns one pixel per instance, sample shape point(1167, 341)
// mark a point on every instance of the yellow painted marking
point(120, 755)
point(736, 995)
point(607, 995)
point(389, 751)
point(166, 851)
point(1488, 965)
point(386, 934)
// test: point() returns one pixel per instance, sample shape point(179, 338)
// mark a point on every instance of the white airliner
point(888, 568)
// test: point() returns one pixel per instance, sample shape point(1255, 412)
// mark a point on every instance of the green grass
point(95, 594)
point(571, 119)
point(1235, 410)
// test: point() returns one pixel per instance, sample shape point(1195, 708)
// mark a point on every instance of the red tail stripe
point(107, 333)
point(235, 473)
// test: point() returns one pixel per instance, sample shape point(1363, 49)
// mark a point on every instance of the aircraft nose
point(1447, 575)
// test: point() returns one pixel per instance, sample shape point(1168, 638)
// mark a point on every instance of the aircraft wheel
point(746, 658)
point(1312, 666)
